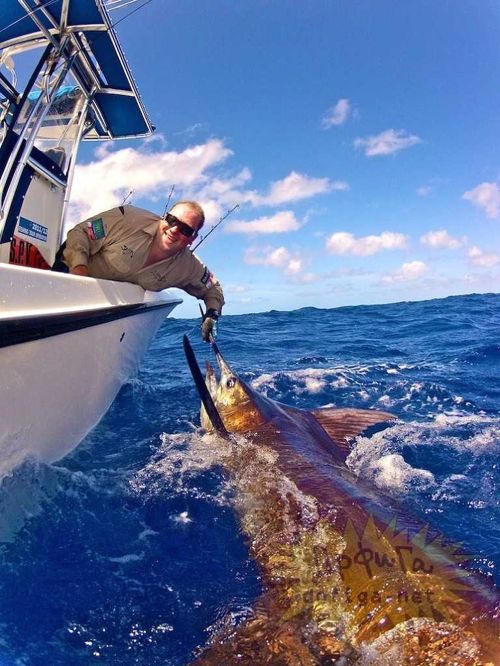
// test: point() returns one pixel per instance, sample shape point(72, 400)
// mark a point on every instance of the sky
point(359, 139)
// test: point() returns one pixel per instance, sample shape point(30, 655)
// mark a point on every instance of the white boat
point(67, 343)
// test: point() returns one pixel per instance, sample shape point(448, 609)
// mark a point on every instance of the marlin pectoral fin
point(205, 396)
point(342, 424)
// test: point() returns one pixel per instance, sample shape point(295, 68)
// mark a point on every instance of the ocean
point(128, 551)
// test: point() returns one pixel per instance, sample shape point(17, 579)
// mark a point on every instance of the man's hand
point(209, 324)
point(81, 269)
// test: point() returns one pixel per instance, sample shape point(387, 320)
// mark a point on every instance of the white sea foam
point(180, 457)
point(163, 628)
point(147, 532)
point(263, 382)
point(314, 385)
point(379, 458)
point(341, 382)
point(307, 380)
point(395, 388)
point(481, 433)
point(392, 472)
point(182, 518)
point(125, 559)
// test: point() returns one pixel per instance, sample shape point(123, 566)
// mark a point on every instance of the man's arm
point(79, 247)
point(211, 294)
point(204, 285)
point(81, 269)
point(88, 238)
point(214, 297)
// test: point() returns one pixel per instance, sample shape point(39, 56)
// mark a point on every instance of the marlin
point(347, 576)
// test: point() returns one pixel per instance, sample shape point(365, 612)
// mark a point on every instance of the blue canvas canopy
point(99, 66)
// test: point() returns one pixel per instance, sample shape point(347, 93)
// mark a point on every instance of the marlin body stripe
point(347, 576)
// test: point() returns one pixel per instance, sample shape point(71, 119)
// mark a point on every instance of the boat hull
point(67, 345)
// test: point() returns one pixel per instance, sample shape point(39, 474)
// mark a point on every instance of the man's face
point(170, 237)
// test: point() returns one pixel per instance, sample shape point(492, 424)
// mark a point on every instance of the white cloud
point(292, 264)
point(278, 257)
point(487, 197)
point(343, 242)
point(150, 171)
point(412, 270)
point(386, 143)
point(103, 183)
point(424, 191)
point(275, 224)
point(340, 186)
point(484, 259)
point(221, 186)
point(235, 289)
point(337, 115)
point(293, 187)
point(440, 239)
point(157, 137)
point(191, 130)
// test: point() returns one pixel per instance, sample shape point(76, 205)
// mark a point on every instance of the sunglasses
point(184, 228)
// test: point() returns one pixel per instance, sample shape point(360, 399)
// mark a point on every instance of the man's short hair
point(194, 205)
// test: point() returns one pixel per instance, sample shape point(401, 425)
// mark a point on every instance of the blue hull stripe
point(18, 330)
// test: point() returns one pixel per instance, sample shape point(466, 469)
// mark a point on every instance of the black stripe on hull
point(17, 330)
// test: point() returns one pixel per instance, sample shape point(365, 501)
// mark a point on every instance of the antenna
point(228, 213)
point(167, 205)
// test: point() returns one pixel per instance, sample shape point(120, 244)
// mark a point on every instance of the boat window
point(59, 131)
point(60, 127)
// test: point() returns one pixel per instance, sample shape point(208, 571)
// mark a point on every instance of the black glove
point(209, 324)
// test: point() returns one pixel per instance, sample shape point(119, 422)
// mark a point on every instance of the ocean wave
point(445, 455)
point(380, 385)
point(392, 473)
point(483, 354)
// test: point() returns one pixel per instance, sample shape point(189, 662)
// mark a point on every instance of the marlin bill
point(348, 577)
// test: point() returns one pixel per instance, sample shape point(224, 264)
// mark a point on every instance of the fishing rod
point(167, 205)
point(127, 197)
point(228, 213)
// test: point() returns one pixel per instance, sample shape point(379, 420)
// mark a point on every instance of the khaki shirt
point(115, 245)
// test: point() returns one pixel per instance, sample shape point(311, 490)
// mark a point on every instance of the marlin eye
point(230, 382)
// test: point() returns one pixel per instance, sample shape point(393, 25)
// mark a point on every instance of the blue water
point(128, 551)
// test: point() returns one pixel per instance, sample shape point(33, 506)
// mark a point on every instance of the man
point(134, 245)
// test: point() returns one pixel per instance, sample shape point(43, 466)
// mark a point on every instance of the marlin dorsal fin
point(343, 423)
